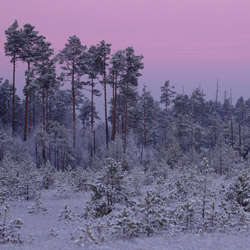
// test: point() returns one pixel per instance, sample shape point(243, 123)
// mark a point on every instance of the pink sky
point(189, 42)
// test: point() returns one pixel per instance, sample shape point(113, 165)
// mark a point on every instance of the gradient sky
point(189, 42)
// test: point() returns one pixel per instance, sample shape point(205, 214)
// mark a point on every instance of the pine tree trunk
point(94, 142)
point(123, 126)
point(144, 124)
point(106, 111)
point(43, 97)
point(33, 111)
point(36, 150)
point(26, 107)
point(50, 111)
point(217, 94)
point(113, 106)
point(92, 117)
point(232, 130)
point(118, 118)
point(114, 109)
point(44, 153)
point(49, 153)
point(14, 94)
point(29, 116)
point(154, 138)
point(74, 109)
point(9, 114)
point(47, 105)
point(220, 158)
point(204, 203)
point(62, 161)
point(240, 139)
point(126, 123)
point(55, 160)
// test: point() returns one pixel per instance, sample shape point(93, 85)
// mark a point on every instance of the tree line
point(62, 123)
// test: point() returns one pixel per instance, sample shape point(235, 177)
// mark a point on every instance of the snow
point(36, 228)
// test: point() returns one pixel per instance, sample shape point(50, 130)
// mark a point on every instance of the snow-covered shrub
point(8, 229)
point(134, 182)
point(29, 181)
point(239, 191)
point(67, 214)
point(47, 175)
point(125, 224)
point(79, 179)
point(20, 180)
point(151, 214)
point(37, 206)
point(185, 214)
point(107, 190)
point(93, 232)
point(53, 233)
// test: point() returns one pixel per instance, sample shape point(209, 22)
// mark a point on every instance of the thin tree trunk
point(144, 124)
point(240, 139)
point(217, 95)
point(36, 150)
point(113, 106)
point(26, 106)
point(55, 160)
point(232, 130)
point(62, 161)
point(114, 109)
point(29, 116)
point(50, 112)
point(106, 110)
point(126, 123)
point(123, 126)
point(92, 117)
point(9, 114)
point(154, 138)
point(47, 105)
point(14, 94)
point(204, 202)
point(74, 108)
point(94, 142)
point(44, 153)
point(118, 118)
point(141, 153)
point(43, 97)
point(221, 163)
point(33, 111)
point(49, 153)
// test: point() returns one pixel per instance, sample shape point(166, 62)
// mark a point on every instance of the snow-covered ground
point(36, 228)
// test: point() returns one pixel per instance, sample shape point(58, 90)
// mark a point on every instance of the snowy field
point(36, 230)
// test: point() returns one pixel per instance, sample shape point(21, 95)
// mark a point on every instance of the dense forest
point(177, 164)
